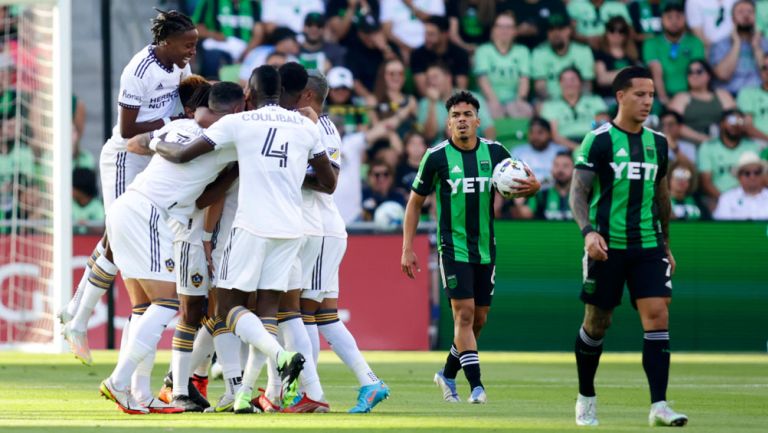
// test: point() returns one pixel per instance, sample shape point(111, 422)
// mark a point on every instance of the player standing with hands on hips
point(620, 199)
point(460, 171)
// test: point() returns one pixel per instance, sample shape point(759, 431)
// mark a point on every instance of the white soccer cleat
point(78, 344)
point(586, 411)
point(478, 396)
point(663, 415)
point(448, 386)
point(123, 398)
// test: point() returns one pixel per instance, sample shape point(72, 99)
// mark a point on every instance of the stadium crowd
point(541, 70)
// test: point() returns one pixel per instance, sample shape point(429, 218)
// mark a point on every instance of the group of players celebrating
point(250, 257)
point(232, 223)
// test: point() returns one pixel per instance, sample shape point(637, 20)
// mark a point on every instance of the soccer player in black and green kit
point(620, 199)
point(459, 170)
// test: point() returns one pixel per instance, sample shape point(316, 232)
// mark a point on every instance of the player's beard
point(562, 183)
point(745, 28)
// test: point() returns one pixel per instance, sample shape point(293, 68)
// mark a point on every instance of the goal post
point(36, 177)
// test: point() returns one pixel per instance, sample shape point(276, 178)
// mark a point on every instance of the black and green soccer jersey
point(462, 182)
point(628, 167)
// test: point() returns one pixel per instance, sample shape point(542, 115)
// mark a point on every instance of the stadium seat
point(511, 131)
point(230, 73)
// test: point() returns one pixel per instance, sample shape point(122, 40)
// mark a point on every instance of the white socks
point(343, 344)
point(99, 280)
point(203, 349)
point(314, 338)
point(75, 301)
point(297, 340)
point(228, 355)
point(143, 340)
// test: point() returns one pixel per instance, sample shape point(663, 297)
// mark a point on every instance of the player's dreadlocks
point(168, 23)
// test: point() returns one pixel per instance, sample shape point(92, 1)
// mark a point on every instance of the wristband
point(207, 236)
point(166, 120)
point(587, 230)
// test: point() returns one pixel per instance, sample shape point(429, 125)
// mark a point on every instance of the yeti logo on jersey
point(468, 185)
point(196, 279)
point(635, 170)
point(169, 264)
point(280, 152)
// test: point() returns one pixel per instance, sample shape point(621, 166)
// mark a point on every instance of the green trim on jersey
point(628, 168)
point(464, 193)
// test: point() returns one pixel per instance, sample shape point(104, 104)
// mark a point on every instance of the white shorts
point(117, 169)
point(141, 241)
point(251, 262)
point(222, 230)
point(325, 274)
point(191, 271)
point(301, 271)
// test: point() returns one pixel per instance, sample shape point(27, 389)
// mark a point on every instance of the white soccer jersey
point(333, 223)
point(150, 87)
point(175, 187)
point(273, 146)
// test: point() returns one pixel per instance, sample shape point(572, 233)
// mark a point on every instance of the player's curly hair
point(462, 96)
point(189, 86)
point(169, 23)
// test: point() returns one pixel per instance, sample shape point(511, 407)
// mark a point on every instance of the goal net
point(35, 172)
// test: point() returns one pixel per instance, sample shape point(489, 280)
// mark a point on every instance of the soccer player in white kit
point(148, 99)
point(273, 147)
point(158, 207)
point(319, 299)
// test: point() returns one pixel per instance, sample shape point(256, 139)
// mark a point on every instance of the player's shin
point(296, 340)
point(656, 359)
point(100, 279)
point(228, 354)
point(344, 345)
point(588, 351)
point(310, 325)
point(74, 303)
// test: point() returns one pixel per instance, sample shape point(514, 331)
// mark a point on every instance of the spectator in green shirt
point(551, 203)
point(753, 101)
point(572, 115)
point(718, 156)
point(646, 19)
point(669, 54)
point(433, 116)
point(227, 30)
point(87, 209)
point(556, 54)
point(591, 16)
point(503, 71)
point(682, 184)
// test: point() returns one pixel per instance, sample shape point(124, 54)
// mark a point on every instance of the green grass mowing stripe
point(527, 392)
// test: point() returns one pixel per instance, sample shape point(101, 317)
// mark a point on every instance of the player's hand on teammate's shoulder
point(309, 113)
point(596, 246)
point(527, 187)
point(409, 264)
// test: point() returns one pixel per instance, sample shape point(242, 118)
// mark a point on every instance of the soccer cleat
point(307, 405)
point(242, 402)
point(78, 344)
point(201, 383)
point(369, 396)
point(186, 403)
point(264, 403)
point(663, 415)
point(166, 394)
point(289, 365)
point(478, 396)
point(123, 398)
point(195, 395)
point(448, 386)
point(586, 411)
point(157, 406)
point(225, 404)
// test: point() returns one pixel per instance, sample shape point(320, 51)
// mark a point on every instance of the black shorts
point(647, 273)
point(467, 280)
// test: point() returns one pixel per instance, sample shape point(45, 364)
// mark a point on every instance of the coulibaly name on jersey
point(272, 117)
point(468, 185)
point(635, 170)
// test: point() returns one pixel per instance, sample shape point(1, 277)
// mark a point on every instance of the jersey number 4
point(271, 151)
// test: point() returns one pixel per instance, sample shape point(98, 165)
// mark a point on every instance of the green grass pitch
point(526, 391)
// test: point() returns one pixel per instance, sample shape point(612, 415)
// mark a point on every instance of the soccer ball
point(389, 215)
point(505, 176)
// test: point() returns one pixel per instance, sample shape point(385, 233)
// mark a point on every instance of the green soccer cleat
point(226, 403)
point(242, 403)
point(289, 365)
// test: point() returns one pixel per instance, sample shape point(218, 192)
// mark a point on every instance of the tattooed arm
point(581, 187)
